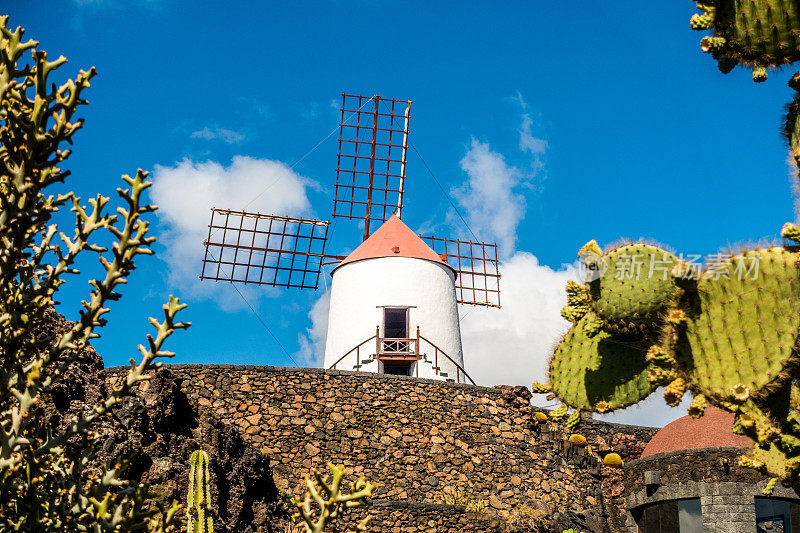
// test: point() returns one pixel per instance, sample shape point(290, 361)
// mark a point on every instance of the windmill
point(400, 287)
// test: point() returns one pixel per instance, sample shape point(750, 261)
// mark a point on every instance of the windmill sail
point(371, 163)
point(478, 280)
point(264, 249)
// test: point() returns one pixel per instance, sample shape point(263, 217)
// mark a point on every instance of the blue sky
point(603, 123)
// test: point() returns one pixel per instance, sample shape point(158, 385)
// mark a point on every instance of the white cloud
point(185, 194)
point(225, 135)
point(493, 206)
point(312, 342)
point(511, 345)
point(653, 411)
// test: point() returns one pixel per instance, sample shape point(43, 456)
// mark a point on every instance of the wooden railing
point(459, 369)
point(357, 349)
point(397, 349)
point(407, 349)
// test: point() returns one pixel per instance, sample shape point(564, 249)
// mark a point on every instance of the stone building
point(688, 480)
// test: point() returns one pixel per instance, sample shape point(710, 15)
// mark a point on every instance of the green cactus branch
point(324, 500)
point(41, 484)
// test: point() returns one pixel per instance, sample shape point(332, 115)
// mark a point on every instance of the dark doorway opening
point(397, 369)
point(395, 323)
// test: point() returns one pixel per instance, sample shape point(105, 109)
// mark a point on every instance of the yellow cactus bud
point(741, 392)
point(578, 440)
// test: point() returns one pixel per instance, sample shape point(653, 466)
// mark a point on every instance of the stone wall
point(412, 436)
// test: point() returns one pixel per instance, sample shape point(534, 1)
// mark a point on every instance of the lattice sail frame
point(478, 280)
point(371, 162)
point(282, 252)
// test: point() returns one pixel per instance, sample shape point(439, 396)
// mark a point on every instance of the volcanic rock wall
point(412, 436)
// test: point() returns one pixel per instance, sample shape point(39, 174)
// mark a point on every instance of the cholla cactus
point(331, 503)
point(758, 34)
point(42, 487)
point(198, 504)
point(729, 334)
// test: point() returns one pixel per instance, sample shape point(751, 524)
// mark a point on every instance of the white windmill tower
point(393, 304)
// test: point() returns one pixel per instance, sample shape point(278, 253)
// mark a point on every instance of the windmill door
point(395, 322)
point(395, 343)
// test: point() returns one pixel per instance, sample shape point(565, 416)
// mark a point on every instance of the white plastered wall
point(360, 290)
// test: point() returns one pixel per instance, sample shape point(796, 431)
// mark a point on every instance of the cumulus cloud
point(489, 195)
point(218, 134)
point(511, 345)
point(185, 193)
point(312, 342)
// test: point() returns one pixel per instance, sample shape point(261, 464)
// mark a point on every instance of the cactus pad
point(741, 326)
point(637, 288)
point(791, 128)
point(759, 34)
point(600, 372)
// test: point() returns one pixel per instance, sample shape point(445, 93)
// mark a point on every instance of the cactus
point(326, 492)
point(729, 334)
point(578, 440)
point(636, 290)
point(600, 369)
point(791, 133)
point(198, 504)
point(759, 34)
point(613, 460)
point(740, 329)
point(50, 478)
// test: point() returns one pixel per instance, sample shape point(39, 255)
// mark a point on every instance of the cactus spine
point(198, 505)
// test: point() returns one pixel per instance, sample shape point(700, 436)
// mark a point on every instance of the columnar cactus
point(759, 34)
point(198, 504)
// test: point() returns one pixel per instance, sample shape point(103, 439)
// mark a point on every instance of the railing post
point(436, 360)
point(358, 358)
point(458, 379)
point(417, 349)
point(377, 341)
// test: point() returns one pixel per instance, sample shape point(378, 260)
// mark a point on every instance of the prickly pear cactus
point(791, 127)
point(595, 370)
point(729, 334)
point(636, 290)
point(198, 505)
point(759, 34)
point(740, 328)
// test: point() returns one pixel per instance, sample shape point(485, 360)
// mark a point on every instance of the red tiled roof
point(711, 430)
point(393, 239)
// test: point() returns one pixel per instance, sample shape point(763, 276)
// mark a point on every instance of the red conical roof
point(393, 239)
point(712, 429)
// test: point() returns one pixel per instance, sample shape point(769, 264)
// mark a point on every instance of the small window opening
point(684, 516)
point(774, 515)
